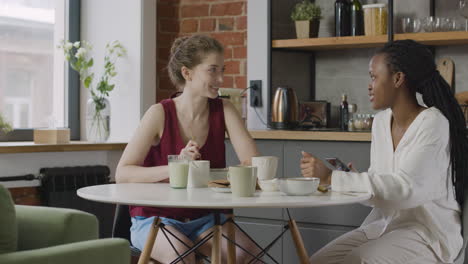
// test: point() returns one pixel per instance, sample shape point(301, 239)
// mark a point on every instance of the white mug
point(199, 174)
point(266, 167)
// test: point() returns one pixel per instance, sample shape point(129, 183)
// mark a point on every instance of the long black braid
point(416, 61)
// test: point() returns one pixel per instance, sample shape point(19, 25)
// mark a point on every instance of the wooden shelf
point(29, 147)
point(434, 38)
point(311, 135)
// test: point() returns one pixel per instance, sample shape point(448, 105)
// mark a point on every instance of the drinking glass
point(429, 24)
point(410, 25)
point(463, 8)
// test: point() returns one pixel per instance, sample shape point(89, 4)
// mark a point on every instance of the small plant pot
point(307, 29)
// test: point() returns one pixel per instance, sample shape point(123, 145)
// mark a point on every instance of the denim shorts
point(192, 229)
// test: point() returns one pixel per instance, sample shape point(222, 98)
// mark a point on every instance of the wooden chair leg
point(231, 247)
point(146, 254)
point(300, 249)
point(216, 248)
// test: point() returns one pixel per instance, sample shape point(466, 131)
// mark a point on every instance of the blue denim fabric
point(192, 229)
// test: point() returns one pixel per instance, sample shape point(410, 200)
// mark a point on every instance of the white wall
point(107, 20)
point(134, 24)
point(257, 59)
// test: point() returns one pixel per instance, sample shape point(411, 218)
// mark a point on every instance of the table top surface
point(161, 195)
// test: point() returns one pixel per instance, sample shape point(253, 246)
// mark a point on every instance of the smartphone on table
point(338, 164)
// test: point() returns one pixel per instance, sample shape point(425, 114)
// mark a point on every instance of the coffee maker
point(285, 109)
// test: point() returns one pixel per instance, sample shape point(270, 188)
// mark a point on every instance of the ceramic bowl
point(269, 185)
point(299, 186)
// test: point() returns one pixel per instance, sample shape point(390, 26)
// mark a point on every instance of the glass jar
point(358, 122)
point(367, 122)
point(375, 19)
point(97, 120)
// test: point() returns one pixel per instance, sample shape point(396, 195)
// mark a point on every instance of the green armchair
point(45, 235)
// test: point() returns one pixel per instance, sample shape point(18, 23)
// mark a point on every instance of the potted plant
point(98, 108)
point(307, 17)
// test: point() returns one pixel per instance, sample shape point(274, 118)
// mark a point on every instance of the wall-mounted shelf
point(433, 39)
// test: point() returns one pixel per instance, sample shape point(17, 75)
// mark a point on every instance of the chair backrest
point(122, 222)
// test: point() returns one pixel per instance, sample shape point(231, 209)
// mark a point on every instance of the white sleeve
point(420, 177)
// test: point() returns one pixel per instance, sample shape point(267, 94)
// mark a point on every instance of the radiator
point(59, 185)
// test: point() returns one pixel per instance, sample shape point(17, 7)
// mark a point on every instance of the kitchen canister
point(375, 19)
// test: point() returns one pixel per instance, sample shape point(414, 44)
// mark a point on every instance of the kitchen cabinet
point(318, 226)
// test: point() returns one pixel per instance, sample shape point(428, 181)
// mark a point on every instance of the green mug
point(243, 180)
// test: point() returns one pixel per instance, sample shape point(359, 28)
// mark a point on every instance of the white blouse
point(411, 187)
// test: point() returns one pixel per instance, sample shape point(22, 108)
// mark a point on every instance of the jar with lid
point(358, 122)
point(367, 122)
point(352, 108)
point(375, 19)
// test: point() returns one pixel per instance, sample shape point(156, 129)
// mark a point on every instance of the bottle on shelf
point(344, 113)
point(342, 18)
point(357, 18)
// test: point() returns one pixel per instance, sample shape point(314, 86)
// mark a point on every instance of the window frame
point(72, 94)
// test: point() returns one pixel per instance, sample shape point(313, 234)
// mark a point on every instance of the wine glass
point(463, 8)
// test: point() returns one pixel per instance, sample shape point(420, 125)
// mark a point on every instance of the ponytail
point(408, 56)
point(436, 92)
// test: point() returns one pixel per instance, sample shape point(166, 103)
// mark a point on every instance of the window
point(33, 88)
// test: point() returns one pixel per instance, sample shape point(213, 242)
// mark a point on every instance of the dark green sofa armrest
point(40, 227)
point(110, 250)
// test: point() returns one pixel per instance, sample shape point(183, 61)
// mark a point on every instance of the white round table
point(161, 195)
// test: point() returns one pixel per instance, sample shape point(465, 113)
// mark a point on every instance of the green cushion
point(8, 226)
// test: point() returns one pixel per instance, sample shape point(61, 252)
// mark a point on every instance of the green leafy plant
point(306, 10)
point(5, 127)
point(77, 54)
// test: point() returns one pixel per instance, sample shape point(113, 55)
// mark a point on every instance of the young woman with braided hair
point(417, 170)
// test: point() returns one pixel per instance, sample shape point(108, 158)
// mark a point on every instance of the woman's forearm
point(133, 173)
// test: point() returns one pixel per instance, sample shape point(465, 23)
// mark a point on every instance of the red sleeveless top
point(171, 143)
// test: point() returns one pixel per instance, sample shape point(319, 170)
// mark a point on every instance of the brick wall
point(225, 20)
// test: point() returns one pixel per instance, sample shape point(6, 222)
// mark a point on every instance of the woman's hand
point(191, 151)
point(314, 167)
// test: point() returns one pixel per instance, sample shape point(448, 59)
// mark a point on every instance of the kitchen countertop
point(326, 135)
point(318, 135)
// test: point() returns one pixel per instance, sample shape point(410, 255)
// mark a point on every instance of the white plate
point(221, 189)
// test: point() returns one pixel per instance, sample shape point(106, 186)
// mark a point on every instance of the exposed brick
point(169, 25)
point(230, 38)
point(227, 53)
point(191, 2)
point(163, 54)
point(194, 11)
point(241, 23)
point(240, 52)
point(189, 26)
point(228, 82)
point(243, 67)
point(226, 24)
point(165, 83)
point(167, 11)
point(232, 67)
point(208, 24)
point(241, 82)
point(161, 68)
point(227, 9)
point(165, 40)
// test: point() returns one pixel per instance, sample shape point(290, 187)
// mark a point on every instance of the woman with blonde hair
point(194, 125)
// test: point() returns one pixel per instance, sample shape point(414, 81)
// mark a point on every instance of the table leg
point(300, 249)
point(146, 254)
point(231, 247)
point(217, 235)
